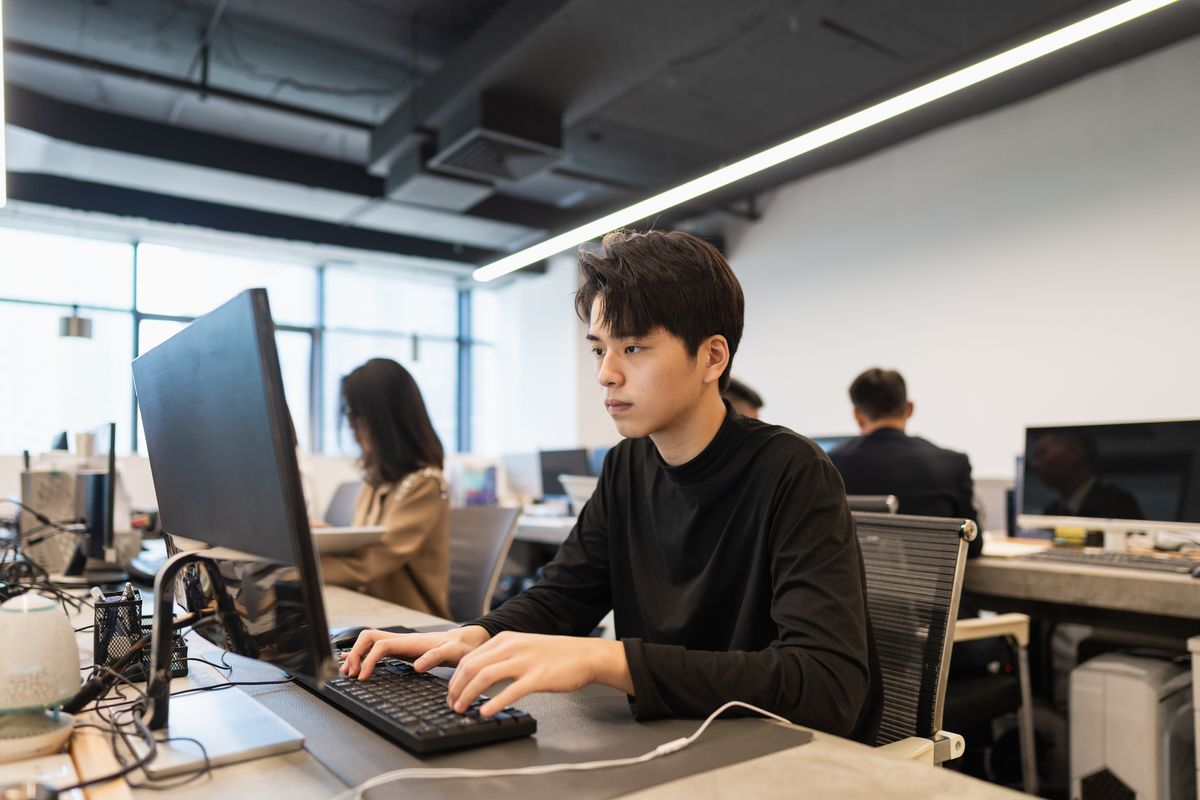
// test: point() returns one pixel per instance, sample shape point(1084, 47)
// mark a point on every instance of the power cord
point(666, 748)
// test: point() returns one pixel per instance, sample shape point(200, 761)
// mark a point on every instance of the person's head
point(1064, 460)
point(880, 400)
point(744, 400)
point(664, 314)
point(385, 410)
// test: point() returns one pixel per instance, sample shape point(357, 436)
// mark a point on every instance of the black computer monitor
point(96, 495)
point(830, 443)
point(1132, 476)
point(94, 558)
point(561, 462)
point(218, 435)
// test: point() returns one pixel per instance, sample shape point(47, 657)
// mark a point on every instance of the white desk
point(544, 530)
point(828, 766)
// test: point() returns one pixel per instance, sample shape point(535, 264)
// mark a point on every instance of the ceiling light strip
point(839, 129)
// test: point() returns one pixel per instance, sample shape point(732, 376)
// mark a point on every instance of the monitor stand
point(82, 571)
point(230, 724)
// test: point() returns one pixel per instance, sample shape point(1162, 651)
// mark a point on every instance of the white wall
point(546, 395)
point(1038, 264)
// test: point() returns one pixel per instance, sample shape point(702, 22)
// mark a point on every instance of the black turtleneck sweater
point(735, 576)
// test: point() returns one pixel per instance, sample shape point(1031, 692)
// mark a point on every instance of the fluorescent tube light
point(839, 129)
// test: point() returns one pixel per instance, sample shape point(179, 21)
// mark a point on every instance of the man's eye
point(597, 352)
point(633, 348)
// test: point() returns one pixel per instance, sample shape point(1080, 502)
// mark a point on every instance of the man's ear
point(908, 409)
point(860, 419)
point(714, 355)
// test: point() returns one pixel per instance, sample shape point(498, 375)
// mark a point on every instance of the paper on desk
point(56, 770)
point(1013, 548)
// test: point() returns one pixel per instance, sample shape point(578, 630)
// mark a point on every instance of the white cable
point(666, 748)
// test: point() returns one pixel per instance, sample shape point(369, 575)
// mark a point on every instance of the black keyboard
point(1179, 566)
point(409, 707)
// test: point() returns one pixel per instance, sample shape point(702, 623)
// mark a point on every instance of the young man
point(723, 545)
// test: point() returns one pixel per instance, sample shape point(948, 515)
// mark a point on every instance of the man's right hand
point(424, 650)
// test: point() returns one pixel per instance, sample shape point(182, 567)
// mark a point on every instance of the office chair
point(479, 540)
point(340, 512)
point(878, 503)
point(914, 571)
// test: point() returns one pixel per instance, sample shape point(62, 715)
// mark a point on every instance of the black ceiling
point(458, 130)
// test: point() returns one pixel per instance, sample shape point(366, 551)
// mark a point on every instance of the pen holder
point(179, 654)
point(119, 626)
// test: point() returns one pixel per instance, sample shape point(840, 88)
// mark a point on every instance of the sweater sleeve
point(409, 520)
point(817, 671)
point(574, 592)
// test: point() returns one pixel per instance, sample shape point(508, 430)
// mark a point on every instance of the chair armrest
point(944, 746)
point(914, 748)
point(1014, 625)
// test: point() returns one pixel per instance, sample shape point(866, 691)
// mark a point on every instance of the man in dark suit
point(926, 479)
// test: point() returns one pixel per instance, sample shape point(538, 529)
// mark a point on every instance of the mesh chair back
point(341, 508)
point(881, 503)
point(479, 540)
point(914, 569)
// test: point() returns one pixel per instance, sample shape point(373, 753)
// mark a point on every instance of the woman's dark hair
point(663, 279)
point(381, 400)
point(879, 393)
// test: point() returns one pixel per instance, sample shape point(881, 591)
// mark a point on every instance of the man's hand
point(424, 650)
point(536, 663)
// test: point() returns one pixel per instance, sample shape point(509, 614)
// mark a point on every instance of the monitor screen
point(830, 443)
point(560, 462)
point(223, 459)
point(97, 492)
point(1126, 471)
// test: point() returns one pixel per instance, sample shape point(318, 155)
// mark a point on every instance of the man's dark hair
point(663, 279)
point(740, 391)
point(879, 393)
point(382, 397)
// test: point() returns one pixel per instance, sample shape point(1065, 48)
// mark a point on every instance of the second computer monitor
point(96, 496)
point(1130, 475)
point(560, 462)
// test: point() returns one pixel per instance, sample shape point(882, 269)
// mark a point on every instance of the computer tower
point(1132, 730)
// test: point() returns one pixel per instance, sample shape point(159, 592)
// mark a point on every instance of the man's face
point(1058, 460)
point(651, 383)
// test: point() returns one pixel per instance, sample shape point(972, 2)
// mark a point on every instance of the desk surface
point(1092, 594)
point(827, 765)
point(544, 530)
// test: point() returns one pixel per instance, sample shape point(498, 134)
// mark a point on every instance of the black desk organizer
point(119, 626)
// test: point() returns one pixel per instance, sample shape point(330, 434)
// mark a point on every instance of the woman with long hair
point(403, 490)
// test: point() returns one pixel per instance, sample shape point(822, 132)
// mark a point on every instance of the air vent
point(500, 138)
point(494, 156)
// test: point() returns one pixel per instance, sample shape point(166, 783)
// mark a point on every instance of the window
point(75, 384)
point(370, 301)
point(55, 383)
point(59, 269)
point(188, 283)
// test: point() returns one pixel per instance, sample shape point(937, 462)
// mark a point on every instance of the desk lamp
point(39, 671)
